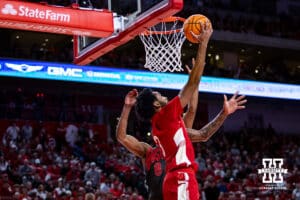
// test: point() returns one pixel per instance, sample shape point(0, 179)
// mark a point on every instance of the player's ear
point(156, 105)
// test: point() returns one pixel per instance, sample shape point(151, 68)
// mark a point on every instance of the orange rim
point(165, 20)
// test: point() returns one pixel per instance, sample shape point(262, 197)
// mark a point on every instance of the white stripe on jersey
point(181, 156)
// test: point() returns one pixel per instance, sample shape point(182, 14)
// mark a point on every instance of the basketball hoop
point(163, 44)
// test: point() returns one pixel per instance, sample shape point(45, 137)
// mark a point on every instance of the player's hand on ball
point(205, 34)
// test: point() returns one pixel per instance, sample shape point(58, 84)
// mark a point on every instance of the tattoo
point(208, 130)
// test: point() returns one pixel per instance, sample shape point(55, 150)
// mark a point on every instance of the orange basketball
point(192, 23)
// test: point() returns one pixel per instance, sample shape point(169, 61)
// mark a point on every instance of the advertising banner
point(60, 20)
point(117, 76)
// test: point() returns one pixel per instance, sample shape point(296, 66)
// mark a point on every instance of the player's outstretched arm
point(230, 106)
point(197, 71)
point(189, 115)
point(128, 141)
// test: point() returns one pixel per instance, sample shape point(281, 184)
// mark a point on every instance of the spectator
point(104, 186)
point(71, 135)
point(26, 132)
point(60, 135)
point(296, 192)
point(11, 135)
point(6, 189)
point(60, 190)
point(4, 165)
point(74, 173)
point(25, 170)
point(211, 191)
point(89, 187)
point(93, 175)
point(89, 196)
point(116, 190)
point(83, 132)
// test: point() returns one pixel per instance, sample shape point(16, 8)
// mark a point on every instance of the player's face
point(162, 100)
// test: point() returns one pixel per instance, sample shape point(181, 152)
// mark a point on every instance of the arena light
point(116, 76)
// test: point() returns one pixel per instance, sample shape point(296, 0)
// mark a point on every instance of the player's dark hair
point(144, 109)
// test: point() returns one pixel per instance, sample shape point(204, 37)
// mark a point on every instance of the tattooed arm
point(208, 130)
point(230, 106)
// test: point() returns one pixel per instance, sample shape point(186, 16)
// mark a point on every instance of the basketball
point(192, 24)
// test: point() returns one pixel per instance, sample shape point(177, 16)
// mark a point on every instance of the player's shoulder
point(147, 148)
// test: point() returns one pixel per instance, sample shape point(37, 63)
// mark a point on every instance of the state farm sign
point(46, 18)
point(24, 11)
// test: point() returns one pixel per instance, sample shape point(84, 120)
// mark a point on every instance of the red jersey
point(170, 133)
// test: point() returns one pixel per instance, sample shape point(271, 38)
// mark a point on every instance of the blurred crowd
point(229, 163)
point(68, 163)
point(63, 158)
point(71, 162)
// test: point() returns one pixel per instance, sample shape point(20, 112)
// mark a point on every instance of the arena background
point(253, 40)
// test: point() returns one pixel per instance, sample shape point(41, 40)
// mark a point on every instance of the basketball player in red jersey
point(169, 131)
point(152, 157)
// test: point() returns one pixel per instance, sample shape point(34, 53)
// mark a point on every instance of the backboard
point(130, 18)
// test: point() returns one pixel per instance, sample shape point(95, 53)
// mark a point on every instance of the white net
point(163, 44)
